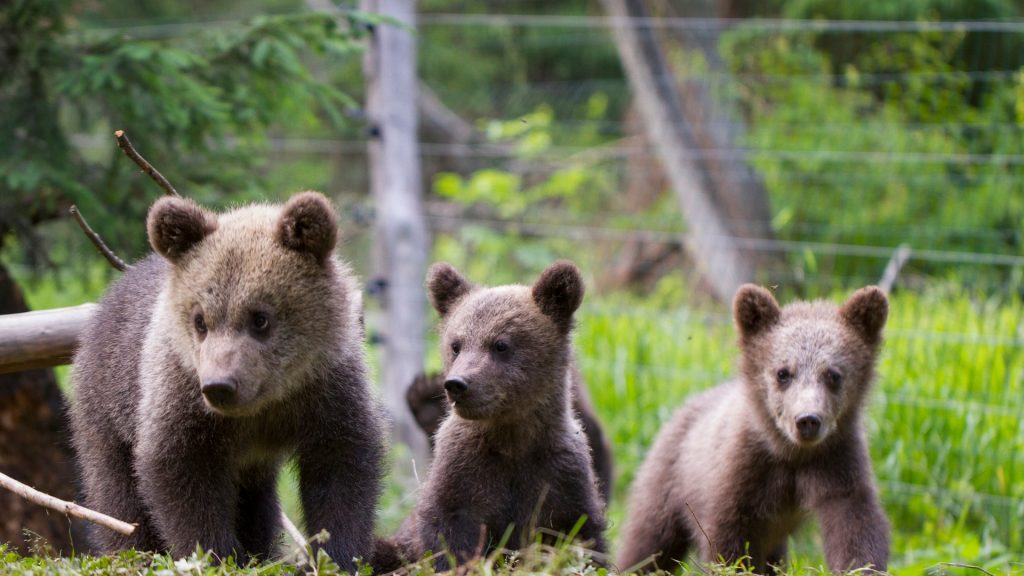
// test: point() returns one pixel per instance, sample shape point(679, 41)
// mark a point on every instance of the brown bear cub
point(427, 402)
point(511, 456)
point(738, 466)
point(234, 348)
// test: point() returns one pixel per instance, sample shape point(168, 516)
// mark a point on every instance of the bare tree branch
point(65, 507)
point(892, 269)
point(101, 246)
point(296, 536)
point(129, 150)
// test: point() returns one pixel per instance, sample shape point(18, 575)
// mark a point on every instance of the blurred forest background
point(841, 131)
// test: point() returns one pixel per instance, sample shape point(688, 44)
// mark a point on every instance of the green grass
point(944, 421)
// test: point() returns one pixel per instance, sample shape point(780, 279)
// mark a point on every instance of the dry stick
point(97, 241)
point(295, 535)
point(292, 530)
point(126, 145)
point(69, 508)
point(892, 269)
point(967, 566)
point(714, 550)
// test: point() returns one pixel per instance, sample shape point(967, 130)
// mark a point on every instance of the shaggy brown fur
point(209, 365)
point(427, 401)
point(511, 456)
point(743, 462)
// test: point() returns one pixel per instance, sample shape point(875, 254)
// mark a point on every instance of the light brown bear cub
point(511, 453)
point(233, 348)
point(738, 466)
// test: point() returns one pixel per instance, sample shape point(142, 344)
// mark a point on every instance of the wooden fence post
point(402, 236)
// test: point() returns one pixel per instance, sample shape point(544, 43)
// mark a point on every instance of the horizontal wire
point(487, 150)
point(697, 24)
point(909, 488)
point(692, 24)
point(581, 232)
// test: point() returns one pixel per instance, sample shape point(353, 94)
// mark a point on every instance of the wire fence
point(946, 418)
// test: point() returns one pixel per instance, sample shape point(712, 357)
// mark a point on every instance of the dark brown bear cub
point(511, 456)
point(234, 348)
point(737, 467)
point(429, 406)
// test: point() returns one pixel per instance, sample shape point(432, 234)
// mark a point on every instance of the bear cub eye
point(456, 347)
point(259, 321)
point(501, 345)
point(833, 378)
point(200, 324)
point(784, 376)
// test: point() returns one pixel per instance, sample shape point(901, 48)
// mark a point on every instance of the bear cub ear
point(558, 292)
point(309, 224)
point(446, 286)
point(755, 310)
point(866, 312)
point(175, 225)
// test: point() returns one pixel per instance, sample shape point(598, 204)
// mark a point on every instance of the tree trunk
point(721, 197)
point(35, 449)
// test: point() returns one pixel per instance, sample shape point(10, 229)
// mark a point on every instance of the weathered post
point(402, 236)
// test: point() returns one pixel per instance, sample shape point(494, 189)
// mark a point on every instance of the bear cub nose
point(809, 426)
point(220, 392)
point(455, 385)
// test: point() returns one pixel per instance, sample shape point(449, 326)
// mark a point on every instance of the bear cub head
point(252, 297)
point(809, 364)
point(506, 349)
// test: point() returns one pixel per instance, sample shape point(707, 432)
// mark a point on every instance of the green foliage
point(886, 153)
point(198, 106)
point(507, 60)
point(533, 204)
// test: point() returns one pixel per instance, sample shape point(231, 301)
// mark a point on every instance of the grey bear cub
point(738, 466)
point(210, 363)
point(511, 454)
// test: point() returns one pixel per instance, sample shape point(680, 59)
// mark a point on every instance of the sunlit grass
point(944, 421)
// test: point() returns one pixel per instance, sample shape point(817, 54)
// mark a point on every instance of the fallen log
point(42, 338)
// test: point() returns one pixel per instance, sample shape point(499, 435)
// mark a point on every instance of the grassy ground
point(944, 423)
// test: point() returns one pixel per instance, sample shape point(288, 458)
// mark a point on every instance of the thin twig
point(129, 150)
point(293, 531)
point(967, 566)
point(714, 550)
point(892, 269)
point(105, 250)
point(65, 507)
point(296, 535)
